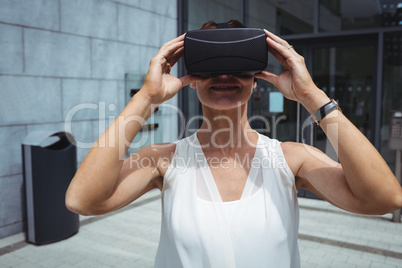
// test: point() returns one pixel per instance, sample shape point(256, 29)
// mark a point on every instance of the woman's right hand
point(160, 85)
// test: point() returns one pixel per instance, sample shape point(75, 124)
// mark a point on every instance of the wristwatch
point(332, 105)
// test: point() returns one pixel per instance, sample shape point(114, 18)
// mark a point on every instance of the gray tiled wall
point(68, 58)
point(55, 54)
point(102, 14)
point(11, 218)
point(27, 100)
point(11, 49)
point(107, 64)
point(96, 93)
point(42, 14)
point(10, 142)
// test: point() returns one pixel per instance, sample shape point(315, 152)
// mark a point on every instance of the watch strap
point(327, 108)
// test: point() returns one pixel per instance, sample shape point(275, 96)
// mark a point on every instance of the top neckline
point(210, 180)
point(235, 202)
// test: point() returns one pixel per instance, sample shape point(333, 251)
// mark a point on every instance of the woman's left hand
point(295, 83)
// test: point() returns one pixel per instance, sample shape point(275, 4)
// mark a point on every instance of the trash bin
point(49, 164)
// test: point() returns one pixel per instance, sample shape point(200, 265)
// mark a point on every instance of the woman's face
point(225, 91)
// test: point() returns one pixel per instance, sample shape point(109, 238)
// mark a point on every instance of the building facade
point(72, 65)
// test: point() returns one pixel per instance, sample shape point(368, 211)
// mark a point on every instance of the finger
point(168, 50)
point(172, 45)
point(281, 58)
point(176, 56)
point(276, 38)
point(175, 40)
point(267, 76)
point(166, 68)
point(188, 79)
point(273, 49)
point(280, 41)
point(281, 49)
point(276, 54)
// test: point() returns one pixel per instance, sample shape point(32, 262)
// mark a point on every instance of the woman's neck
point(226, 129)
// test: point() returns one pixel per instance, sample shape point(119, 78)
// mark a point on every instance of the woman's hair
point(213, 25)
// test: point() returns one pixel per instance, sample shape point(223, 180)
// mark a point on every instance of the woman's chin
point(224, 103)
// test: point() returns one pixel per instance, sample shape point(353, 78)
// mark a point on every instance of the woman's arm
point(103, 183)
point(363, 183)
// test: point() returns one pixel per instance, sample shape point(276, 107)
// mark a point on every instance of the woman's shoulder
point(160, 151)
point(162, 154)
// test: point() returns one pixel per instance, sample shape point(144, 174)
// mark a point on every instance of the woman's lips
point(224, 87)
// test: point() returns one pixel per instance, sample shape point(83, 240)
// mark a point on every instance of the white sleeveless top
point(261, 231)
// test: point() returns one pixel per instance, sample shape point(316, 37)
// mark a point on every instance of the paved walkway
point(329, 237)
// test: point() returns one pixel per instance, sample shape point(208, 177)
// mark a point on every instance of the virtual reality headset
point(231, 51)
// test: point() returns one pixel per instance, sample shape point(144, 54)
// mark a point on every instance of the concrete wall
point(57, 54)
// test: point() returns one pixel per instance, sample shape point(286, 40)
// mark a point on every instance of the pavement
point(328, 237)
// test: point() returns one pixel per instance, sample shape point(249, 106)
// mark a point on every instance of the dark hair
point(213, 25)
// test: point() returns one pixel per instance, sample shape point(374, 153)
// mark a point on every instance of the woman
point(229, 193)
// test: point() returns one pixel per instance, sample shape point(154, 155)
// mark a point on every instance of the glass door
point(346, 72)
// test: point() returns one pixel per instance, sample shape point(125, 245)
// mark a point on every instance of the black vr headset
point(232, 51)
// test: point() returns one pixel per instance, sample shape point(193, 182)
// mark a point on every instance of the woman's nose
point(225, 75)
